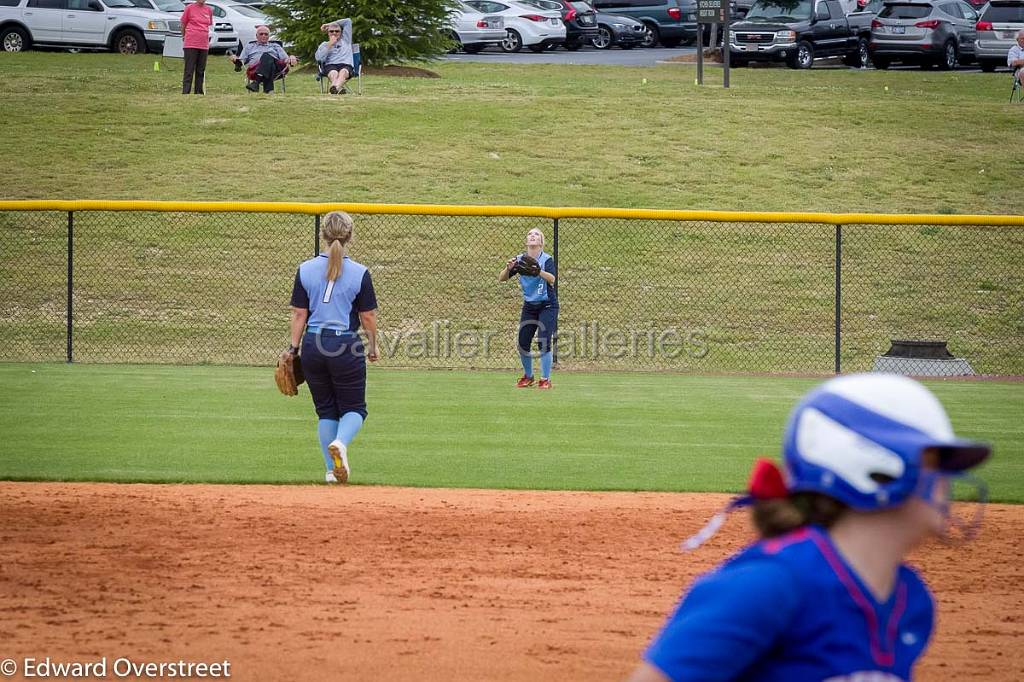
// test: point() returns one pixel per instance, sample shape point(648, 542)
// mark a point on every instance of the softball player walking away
point(539, 316)
point(824, 595)
point(331, 297)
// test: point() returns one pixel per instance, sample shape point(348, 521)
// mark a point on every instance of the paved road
point(616, 57)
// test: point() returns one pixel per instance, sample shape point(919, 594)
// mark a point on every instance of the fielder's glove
point(528, 265)
point(288, 373)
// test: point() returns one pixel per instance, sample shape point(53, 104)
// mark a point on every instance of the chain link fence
point(650, 295)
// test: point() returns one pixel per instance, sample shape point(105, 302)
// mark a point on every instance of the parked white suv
point(98, 24)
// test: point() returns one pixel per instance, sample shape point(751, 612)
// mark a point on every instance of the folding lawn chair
point(1015, 91)
point(280, 76)
point(357, 67)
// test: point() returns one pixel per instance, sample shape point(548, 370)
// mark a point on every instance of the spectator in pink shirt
point(195, 27)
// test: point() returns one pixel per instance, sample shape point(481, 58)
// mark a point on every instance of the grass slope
point(431, 428)
point(108, 126)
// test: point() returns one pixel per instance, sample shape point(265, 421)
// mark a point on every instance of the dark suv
point(579, 18)
point(669, 22)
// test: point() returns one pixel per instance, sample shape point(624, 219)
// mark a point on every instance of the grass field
point(107, 126)
point(432, 428)
point(155, 287)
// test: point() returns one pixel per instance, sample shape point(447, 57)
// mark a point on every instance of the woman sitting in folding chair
point(334, 56)
point(264, 61)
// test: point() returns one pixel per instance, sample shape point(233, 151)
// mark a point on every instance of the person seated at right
point(263, 60)
point(1015, 57)
point(335, 54)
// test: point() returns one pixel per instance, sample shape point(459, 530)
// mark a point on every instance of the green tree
point(388, 31)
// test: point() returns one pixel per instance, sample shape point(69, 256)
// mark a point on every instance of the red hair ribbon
point(766, 482)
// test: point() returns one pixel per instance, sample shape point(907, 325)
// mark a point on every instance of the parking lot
point(634, 57)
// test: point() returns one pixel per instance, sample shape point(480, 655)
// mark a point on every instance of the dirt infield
point(361, 583)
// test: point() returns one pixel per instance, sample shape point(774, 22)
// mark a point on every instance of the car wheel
point(513, 42)
point(988, 67)
point(603, 40)
point(880, 63)
point(949, 56)
point(804, 56)
point(861, 58)
point(129, 41)
point(651, 36)
point(472, 49)
point(14, 39)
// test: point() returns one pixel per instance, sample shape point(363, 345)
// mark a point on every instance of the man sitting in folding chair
point(334, 56)
point(1015, 60)
point(264, 61)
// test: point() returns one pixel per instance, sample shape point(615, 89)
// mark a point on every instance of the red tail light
point(931, 23)
point(983, 26)
point(480, 23)
point(875, 23)
point(534, 17)
point(570, 15)
point(675, 13)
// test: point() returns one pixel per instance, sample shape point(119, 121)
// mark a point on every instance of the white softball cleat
point(339, 456)
point(330, 477)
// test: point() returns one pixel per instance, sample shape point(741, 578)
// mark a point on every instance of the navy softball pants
point(335, 369)
point(540, 320)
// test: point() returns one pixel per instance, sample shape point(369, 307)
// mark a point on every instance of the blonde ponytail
point(336, 231)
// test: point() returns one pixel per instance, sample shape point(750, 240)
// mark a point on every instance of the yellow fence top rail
point(548, 212)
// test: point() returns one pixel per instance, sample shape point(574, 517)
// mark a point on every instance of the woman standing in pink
point(195, 28)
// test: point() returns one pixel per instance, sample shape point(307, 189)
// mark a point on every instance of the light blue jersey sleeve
point(728, 620)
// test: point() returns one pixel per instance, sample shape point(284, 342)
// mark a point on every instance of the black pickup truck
point(798, 32)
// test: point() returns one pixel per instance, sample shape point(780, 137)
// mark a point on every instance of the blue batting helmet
point(860, 439)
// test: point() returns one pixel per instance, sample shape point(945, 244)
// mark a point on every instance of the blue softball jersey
point(535, 289)
point(333, 305)
point(790, 608)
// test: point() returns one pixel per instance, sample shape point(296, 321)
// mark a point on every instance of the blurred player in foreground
point(824, 595)
point(334, 295)
point(536, 270)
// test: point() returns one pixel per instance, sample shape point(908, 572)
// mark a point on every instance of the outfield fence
point(693, 291)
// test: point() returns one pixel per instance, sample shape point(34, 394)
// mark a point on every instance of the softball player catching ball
point(331, 297)
point(539, 316)
point(824, 595)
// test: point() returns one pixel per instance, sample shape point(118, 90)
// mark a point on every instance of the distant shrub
point(388, 31)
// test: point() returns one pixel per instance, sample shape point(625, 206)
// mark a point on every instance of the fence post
point(839, 294)
point(71, 284)
point(558, 278)
point(316, 235)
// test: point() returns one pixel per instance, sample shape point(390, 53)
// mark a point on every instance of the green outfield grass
point(613, 431)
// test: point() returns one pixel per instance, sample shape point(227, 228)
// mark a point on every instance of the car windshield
point(169, 5)
point(779, 10)
point(119, 3)
point(543, 4)
point(581, 7)
point(247, 11)
point(905, 11)
point(1009, 14)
